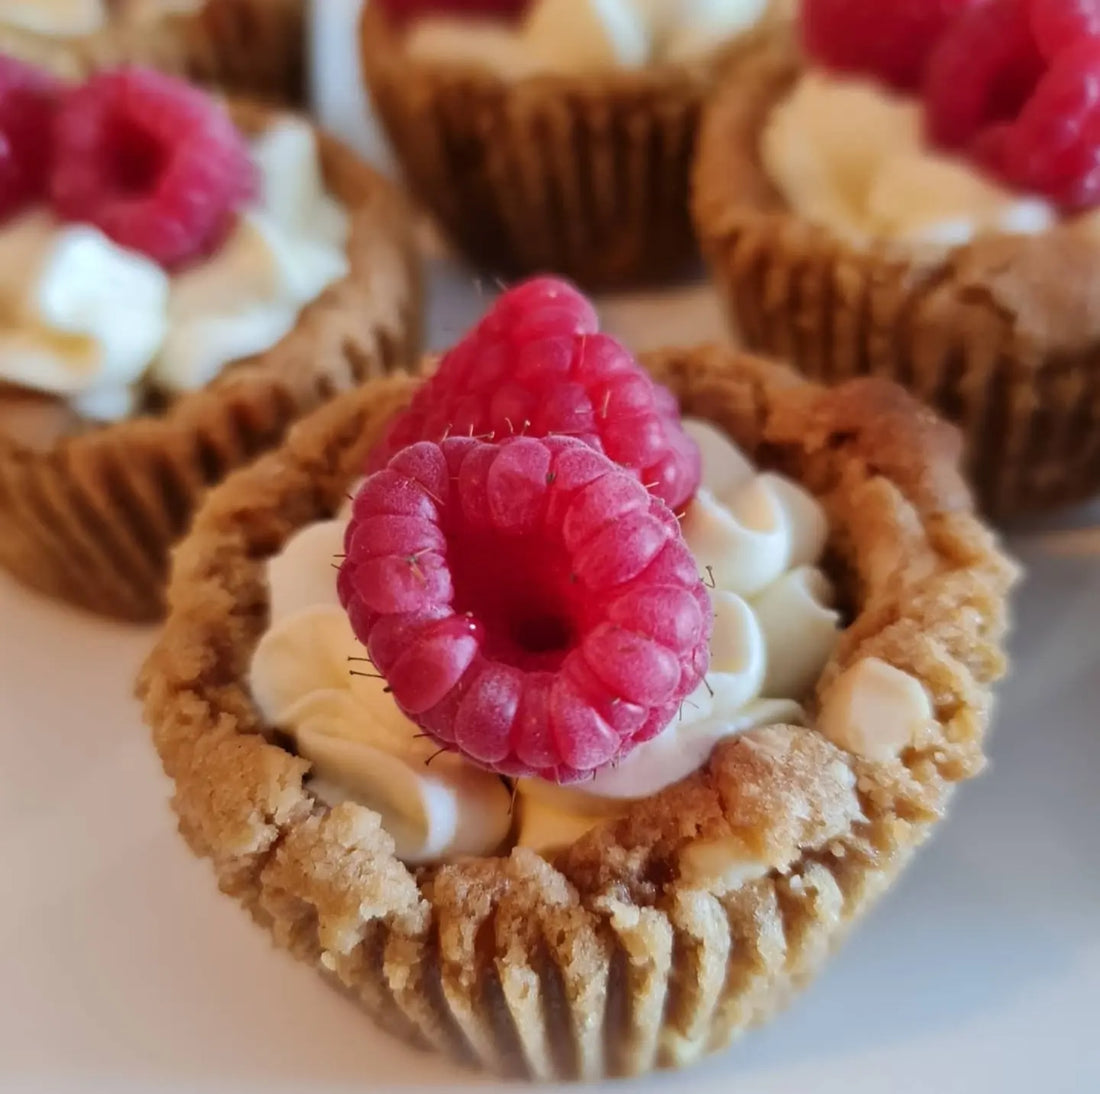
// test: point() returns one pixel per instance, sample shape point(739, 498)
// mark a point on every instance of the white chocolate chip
point(875, 710)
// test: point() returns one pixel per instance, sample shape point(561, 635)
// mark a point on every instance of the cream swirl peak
point(63, 18)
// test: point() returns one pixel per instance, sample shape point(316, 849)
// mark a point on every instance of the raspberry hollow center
point(519, 589)
point(528, 603)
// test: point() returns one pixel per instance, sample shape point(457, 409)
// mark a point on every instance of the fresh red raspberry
point(534, 367)
point(540, 306)
point(1053, 148)
point(406, 11)
point(983, 70)
point(28, 101)
point(890, 39)
point(1060, 24)
point(154, 163)
point(530, 605)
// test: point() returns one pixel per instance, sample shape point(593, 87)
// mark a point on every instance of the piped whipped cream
point(78, 314)
point(773, 631)
point(91, 322)
point(850, 156)
point(572, 37)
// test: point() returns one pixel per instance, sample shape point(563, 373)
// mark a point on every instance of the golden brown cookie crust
point(91, 519)
point(248, 46)
point(1001, 336)
point(612, 958)
point(583, 175)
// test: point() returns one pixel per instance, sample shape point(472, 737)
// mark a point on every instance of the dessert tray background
point(122, 967)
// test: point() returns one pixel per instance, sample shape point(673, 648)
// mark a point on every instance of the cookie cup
point(91, 518)
point(250, 46)
point(586, 176)
point(658, 937)
point(1002, 336)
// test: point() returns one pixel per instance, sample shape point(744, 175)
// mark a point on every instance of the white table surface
point(123, 969)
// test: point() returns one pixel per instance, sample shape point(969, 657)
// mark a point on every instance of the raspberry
point(28, 101)
point(530, 605)
point(155, 164)
point(1053, 148)
point(406, 11)
point(890, 39)
point(535, 366)
point(982, 72)
point(1060, 24)
point(541, 305)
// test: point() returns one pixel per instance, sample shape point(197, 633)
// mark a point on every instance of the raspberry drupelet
point(537, 366)
point(529, 603)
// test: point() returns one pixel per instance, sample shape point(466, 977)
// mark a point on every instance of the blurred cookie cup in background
point(557, 135)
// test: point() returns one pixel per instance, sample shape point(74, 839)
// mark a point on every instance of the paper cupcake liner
point(249, 46)
point(616, 956)
point(92, 519)
point(1002, 337)
point(583, 176)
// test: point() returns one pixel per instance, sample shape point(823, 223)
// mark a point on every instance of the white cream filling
point(851, 157)
point(773, 632)
point(89, 321)
point(571, 37)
